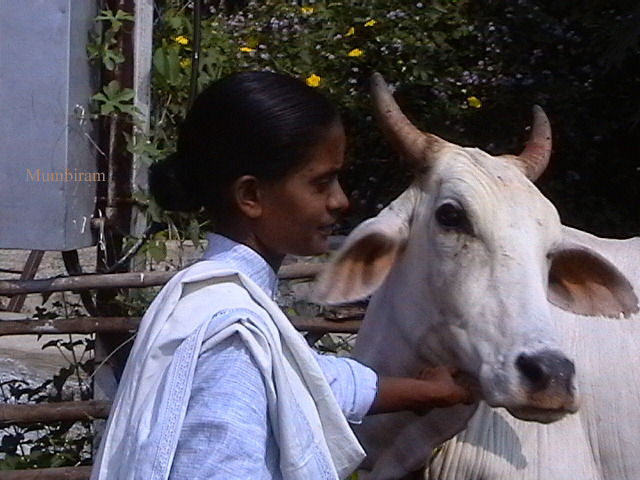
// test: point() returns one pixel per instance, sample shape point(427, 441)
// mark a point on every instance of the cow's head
point(470, 255)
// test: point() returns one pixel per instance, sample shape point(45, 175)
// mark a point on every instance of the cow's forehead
point(487, 186)
point(471, 168)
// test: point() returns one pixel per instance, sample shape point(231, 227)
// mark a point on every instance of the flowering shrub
point(335, 47)
point(468, 71)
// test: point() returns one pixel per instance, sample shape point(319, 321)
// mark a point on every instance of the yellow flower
point(181, 39)
point(474, 102)
point(370, 23)
point(356, 52)
point(306, 10)
point(350, 32)
point(246, 49)
point(185, 62)
point(313, 80)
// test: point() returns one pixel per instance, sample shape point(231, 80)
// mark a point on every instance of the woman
point(219, 384)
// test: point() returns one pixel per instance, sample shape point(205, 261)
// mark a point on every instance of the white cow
point(601, 441)
point(461, 266)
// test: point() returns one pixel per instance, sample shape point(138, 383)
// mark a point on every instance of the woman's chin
point(319, 246)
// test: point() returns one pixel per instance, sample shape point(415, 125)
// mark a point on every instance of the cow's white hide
point(463, 267)
point(601, 441)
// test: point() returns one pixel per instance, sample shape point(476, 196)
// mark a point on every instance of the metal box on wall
point(47, 160)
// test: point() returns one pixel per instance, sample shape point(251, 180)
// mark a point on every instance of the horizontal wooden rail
point(52, 412)
point(85, 282)
point(125, 280)
point(88, 325)
point(64, 473)
point(321, 325)
point(69, 325)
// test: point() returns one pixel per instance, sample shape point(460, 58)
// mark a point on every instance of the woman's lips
point(327, 229)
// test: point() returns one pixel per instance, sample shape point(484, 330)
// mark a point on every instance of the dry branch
point(125, 280)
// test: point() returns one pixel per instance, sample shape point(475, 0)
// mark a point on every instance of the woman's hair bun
point(168, 188)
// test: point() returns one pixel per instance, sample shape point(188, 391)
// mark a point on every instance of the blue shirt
point(226, 432)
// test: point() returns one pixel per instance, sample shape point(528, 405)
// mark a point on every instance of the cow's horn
point(535, 157)
point(417, 146)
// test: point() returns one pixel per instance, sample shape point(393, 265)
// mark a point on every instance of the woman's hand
point(434, 388)
point(445, 387)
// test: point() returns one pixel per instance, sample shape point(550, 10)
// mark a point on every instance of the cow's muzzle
point(547, 383)
point(547, 370)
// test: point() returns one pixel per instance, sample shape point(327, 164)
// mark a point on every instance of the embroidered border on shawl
point(165, 451)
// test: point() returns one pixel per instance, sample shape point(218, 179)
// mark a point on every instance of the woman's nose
point(338, 201)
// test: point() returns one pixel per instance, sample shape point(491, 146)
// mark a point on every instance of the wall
point(47, 162)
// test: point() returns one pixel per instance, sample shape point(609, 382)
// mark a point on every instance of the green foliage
point(575, 60)
point(114, 99)
point(156, 247)
point(334, 46)
point(115, 20)
point(103, 47)
point(467, 71)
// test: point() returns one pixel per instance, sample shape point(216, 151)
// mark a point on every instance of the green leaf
point(116, 20)
point(51, 343)
point(193, 232)
point(157, 250)
point(166, 61)
point(115, 99)
point(60, 379)
point(112, 57)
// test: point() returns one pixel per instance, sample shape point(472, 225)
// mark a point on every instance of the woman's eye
point(325, 182)
point(453, 216)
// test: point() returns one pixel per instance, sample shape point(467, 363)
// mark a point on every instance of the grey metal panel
point(45, 83)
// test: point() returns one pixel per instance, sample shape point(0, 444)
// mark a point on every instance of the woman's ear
point(245, 195)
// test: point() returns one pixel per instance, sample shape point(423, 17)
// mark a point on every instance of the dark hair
point(249, 123)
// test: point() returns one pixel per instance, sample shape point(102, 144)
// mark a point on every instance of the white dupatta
point(141, 436)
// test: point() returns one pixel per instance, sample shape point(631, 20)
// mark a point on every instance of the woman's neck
point(246, 237)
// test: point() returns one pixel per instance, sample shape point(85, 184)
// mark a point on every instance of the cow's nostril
point(543, 368)
point(534, 370)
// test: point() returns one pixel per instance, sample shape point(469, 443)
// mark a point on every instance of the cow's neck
point(389, 311)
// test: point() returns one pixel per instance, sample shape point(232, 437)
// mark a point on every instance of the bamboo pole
point(52, 412)
point(64, 473)
point(86, 325)
point(125, 280)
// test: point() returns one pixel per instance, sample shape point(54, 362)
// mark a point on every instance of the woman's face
point(300, 210)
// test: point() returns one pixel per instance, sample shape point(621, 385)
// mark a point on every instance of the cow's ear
point(361, 265)
point(584, 282)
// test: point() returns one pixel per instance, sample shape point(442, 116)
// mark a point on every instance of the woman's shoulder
point(218, 289)
point(206, 269)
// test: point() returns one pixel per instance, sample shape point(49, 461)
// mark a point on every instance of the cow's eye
point(451, 215)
